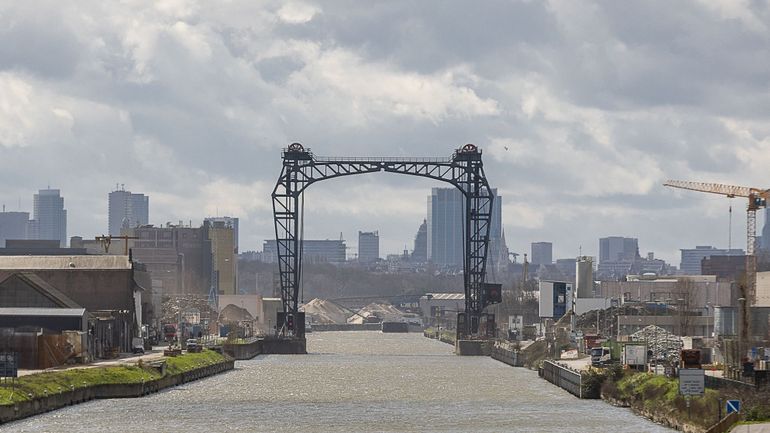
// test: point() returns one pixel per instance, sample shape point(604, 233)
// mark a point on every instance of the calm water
point(353, 381)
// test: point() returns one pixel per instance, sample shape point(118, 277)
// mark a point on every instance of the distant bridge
point(464, 169)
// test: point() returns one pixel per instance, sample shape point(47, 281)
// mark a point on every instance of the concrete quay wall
point(319, 327)
point(267, 346)
point(51, 402)
point(242, 352)
point(514, 359)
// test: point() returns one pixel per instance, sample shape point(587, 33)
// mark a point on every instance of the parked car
point(193, 346)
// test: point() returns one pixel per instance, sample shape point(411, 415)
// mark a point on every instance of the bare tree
point(688, 299)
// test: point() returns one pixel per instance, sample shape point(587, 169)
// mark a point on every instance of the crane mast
point(757, 199)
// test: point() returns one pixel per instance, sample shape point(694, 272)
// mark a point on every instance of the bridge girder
point(464, 169)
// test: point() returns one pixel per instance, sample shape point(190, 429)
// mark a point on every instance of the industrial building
point(228, 221)
point(678, 324)
point(178, 257)
point(126, 210)
point(38, 247)
point(441, 308)
point(692, 258)
point(91, 302)
point(725, 268)
point(313, 251)
point(368, 246)
point(556, 299)
point(696, 291)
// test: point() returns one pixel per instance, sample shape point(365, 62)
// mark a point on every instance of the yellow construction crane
point(757, 200)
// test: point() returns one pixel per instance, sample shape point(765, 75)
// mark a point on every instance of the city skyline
point(396, 245)
point(578, 142)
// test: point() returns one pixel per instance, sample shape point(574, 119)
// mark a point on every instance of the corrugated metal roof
point(64, 262)
point(445, 296)
point(61, 312)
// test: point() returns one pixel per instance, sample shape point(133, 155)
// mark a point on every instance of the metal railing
point(381, 159)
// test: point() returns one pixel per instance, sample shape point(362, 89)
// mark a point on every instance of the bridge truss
point(464, 169)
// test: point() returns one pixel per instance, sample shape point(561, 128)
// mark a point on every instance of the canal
point(353, 381)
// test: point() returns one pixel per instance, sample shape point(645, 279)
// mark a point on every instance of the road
point(125, 359)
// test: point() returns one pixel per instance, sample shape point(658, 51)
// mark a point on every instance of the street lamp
point(710, 308)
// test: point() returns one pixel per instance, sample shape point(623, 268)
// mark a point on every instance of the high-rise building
point(764, 243)
point(228, 222)
point(50, 217)
point(127, 210)
point(446, 227)
point(223, 256)
point(420, 252)
point(692, 258)
point(618, 249)
point(368, 246)
point(542, 253)
point(13, 225)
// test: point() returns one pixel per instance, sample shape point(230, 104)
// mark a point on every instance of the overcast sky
point(582, 109)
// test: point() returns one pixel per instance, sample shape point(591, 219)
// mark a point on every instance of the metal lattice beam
point(464, 169)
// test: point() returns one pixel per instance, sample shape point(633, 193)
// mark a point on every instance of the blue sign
point(733, 406)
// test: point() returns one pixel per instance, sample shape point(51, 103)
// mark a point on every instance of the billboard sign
point(635, 354)
point(692, 381)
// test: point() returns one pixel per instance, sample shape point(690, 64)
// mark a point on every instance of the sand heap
point(233, 314)
point(376, 312)
point(325, 312)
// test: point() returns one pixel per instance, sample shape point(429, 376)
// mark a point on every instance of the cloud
point(582, 109)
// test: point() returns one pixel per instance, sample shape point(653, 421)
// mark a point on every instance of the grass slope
point(53, 382)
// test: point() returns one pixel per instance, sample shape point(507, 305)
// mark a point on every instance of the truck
point(169, 332)
point(600, 356)
point(137, 345)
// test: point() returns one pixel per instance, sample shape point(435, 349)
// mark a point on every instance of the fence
point(725, 424)
point(714, 382)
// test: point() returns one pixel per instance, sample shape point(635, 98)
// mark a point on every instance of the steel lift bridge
point(464, 169)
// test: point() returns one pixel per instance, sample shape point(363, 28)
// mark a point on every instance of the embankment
point(657, 398)
point(44, 392)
